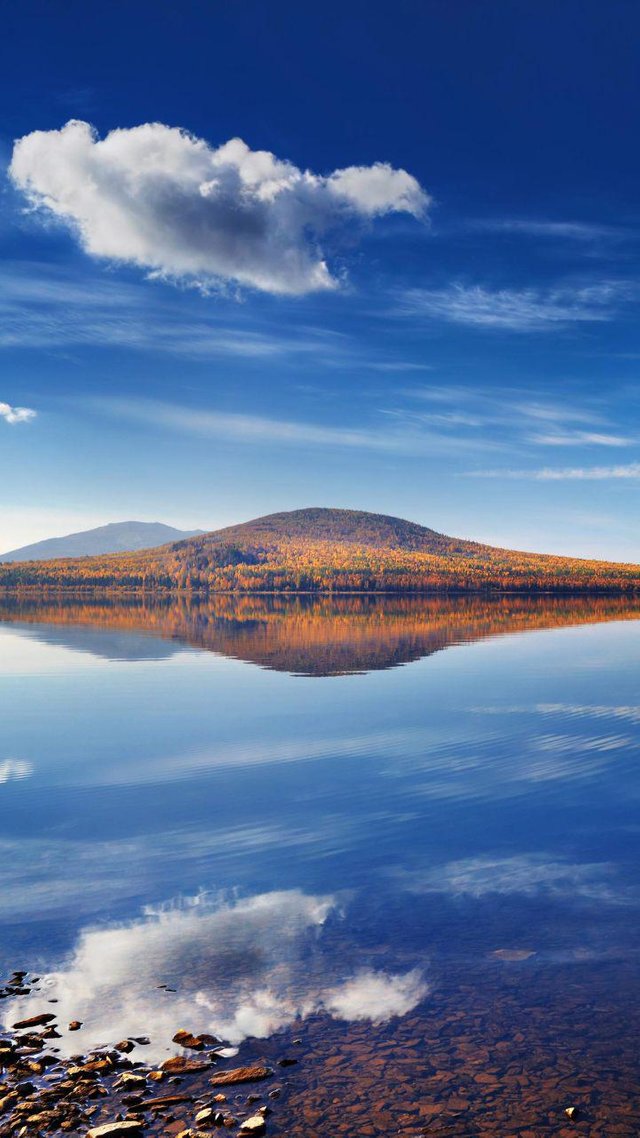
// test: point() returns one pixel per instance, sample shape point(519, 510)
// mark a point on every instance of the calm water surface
point(404, 832)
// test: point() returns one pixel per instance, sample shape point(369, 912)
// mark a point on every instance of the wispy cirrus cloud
point(13, 415)
point(630, 470)
point(581, 438)
point(408, 438)
point(515, 310)
point(160, 198)
point(581, 231)
point(44, 307)
point(526, 875)
point(511, 416)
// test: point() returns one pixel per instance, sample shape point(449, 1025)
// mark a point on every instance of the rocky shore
point(111, 1092)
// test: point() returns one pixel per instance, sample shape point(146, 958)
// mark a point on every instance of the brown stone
point(240, 1075)
point(178, 1064)
point(35, 1021)
point(166, 1100)
point(115, 1129)
point(253, 1125)
point(186, 1039)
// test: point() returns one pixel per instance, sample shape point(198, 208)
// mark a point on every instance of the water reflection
point(302, 635)
point(237, 969)
point(387, 855)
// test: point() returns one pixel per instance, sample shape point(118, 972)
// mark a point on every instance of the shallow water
point(403, 831)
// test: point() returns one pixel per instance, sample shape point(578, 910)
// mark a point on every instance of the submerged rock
point(254, 1125)
point(116, 1129)
point(513, 954)
point(35, 1021)
point(186, 1039)
point(241, 1075)
point(179, 1065)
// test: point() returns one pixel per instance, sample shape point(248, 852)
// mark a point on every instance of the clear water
point(338, 820)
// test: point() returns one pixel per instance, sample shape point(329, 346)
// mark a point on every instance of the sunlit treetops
point(323, 550)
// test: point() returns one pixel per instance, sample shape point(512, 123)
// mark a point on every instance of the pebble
point(116, 1129)
point(178, 1064)
point(254, 1125)
point(35, 1021)
point(186, 1039)
point(240, 1075)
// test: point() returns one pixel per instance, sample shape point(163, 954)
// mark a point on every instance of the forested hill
point(342, 527)
point(324, 550)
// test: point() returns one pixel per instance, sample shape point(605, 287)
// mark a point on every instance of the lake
point(403, 832)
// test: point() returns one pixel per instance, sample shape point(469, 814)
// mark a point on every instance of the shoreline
point(110, 1091)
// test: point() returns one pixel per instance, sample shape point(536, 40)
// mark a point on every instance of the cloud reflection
point(526, 875)
point(242, 967)
point(14, 769)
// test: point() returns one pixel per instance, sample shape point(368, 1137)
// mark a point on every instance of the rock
point(287, 1062)
point(253, 1125)
point(220, 1098)
point(35, 1021)
point(240, 1075)
point(166, 1100)
point(204, 1116)
point(75, 1025)
point(116, 1129)
point(98, 1066)
point(513, 954)
point(8, 1101)
point(186, 1039)
point(572, 1112)
point(125, 1045)
point(179, 1065)
point(131, 1081)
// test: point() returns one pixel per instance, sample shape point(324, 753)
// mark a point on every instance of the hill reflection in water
point(303, 635)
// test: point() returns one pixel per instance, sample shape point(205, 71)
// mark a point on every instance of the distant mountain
point(117, 537)
point(327, 551)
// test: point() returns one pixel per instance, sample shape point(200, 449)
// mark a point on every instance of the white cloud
point(627, 712)
point(527, 875)
point(567, 474)
point(241, 968)
point(158, 197)
point(532, 227)
point(405, 439)
point(14, 769)
point(16, 414)
point(518, 310)
point(376, 997)
point(564, 438)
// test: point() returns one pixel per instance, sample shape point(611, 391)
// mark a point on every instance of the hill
point(301, 634)
point(322, 550)
point(117, 537)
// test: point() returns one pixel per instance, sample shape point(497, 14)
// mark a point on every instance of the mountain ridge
point(114, 537)
point(319, 549)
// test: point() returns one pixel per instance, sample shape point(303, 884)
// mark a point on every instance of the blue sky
point(413, 290)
